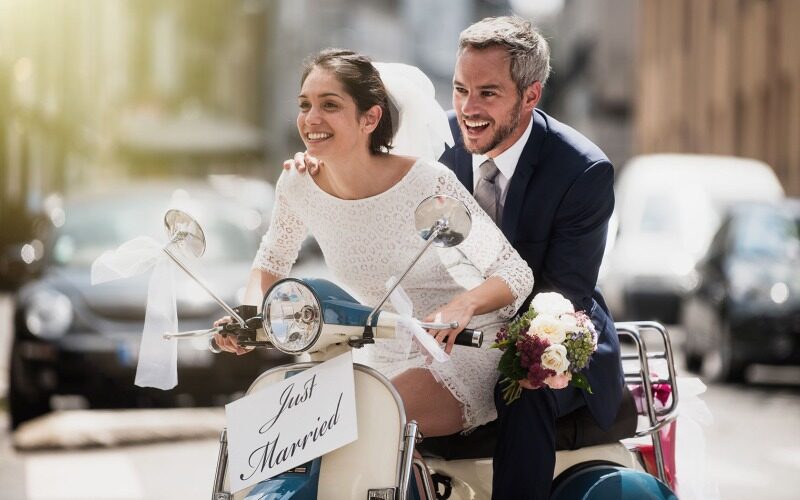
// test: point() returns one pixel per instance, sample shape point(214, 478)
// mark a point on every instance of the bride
point(360, 210)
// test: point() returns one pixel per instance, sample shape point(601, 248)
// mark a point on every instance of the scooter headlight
point(292, 316)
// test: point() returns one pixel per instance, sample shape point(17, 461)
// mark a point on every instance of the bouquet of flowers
point(547, 345)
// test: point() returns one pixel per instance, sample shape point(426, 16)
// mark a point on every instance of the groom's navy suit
point(556, 213)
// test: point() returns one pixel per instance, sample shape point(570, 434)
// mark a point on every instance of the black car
point(72, 338)
point(745, 307)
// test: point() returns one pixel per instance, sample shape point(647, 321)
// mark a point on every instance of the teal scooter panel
point(289, 485)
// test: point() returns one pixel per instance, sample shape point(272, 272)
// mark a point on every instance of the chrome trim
point(265, 319)
point(477, 338)
point(406, 472)
point(427, 481)
point(658, 418)
point(222, 466)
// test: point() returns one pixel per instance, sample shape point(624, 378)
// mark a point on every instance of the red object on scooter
point(667, 437)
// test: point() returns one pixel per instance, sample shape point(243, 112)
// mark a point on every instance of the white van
point(668, 207)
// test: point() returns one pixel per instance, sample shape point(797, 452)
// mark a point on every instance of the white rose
point(551, 303)
point(569, 322)
point(555, 358)
point(549, 328)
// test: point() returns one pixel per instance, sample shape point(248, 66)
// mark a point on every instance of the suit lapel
point(464, 168)
point(518, 185)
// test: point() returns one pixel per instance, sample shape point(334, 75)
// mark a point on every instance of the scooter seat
point(575, 430)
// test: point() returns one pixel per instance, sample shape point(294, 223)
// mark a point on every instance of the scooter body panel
point(373, 460)
point(472, 479)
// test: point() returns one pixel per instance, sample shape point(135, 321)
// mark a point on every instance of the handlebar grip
point(470, 338)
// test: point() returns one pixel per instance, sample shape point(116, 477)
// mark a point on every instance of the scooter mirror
point(445, 218)
point(185, 232)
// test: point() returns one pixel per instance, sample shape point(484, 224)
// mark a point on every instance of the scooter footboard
point(373, 461)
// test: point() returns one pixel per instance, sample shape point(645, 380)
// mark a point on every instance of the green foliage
point(510, 366)
point(580, 381)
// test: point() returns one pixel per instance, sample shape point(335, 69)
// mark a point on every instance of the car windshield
point(93, 227)
point(771, 235)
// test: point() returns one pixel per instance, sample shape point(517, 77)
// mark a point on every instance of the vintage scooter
point(317, 318)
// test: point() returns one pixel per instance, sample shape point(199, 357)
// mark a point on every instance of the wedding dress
point(367, 241)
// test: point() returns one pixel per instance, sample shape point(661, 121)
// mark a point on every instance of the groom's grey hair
point(527, 48)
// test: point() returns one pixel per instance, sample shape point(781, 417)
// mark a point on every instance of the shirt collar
point(506, 161)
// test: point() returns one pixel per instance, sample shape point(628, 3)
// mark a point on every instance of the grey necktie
point(487, 191)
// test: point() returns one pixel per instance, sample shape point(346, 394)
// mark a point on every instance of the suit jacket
point(556, 216)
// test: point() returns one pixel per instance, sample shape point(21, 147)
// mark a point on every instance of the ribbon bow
point(408, 328)
point(158, 358)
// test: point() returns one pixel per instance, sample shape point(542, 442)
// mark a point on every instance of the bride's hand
point(303, 162)
point(459, 310)
point(228, 342)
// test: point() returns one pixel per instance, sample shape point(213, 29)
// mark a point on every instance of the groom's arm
point(577, 242)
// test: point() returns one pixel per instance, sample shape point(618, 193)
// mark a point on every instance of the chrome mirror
point(185, 232)
point(440, 220)
point(444, 219)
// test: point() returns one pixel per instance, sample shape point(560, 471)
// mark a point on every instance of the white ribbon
point(695, 477)
point(158, 358)
point(408, 328)
point(421, 125)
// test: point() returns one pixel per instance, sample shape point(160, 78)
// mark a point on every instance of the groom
point(551, 192)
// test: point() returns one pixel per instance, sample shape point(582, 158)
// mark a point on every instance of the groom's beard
point(504, 130)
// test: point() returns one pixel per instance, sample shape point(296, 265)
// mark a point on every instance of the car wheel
point(694, 362)
point(692, 358)
point(722, 363)
point(26, 400)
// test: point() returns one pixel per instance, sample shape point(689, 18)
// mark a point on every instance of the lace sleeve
point(281, 243)
point(488, 249)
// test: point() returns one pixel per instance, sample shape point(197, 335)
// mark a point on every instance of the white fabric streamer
point(158, 358)
point(408, 328)
point(695, 480)
point(421, 125)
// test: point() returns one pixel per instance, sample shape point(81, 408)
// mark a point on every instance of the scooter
point(321, 320)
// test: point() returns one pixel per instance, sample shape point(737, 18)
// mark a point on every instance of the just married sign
point(291, 422)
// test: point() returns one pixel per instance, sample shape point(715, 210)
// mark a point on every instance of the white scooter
point(318, 318)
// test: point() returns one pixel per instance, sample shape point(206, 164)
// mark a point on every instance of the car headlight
point(48, 314)
point(292, 316)
point(748, 285)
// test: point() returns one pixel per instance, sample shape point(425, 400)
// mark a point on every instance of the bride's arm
point(491, 295)
point(275, 257)
point(490, 252)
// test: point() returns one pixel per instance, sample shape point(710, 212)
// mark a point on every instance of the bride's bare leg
point(431, 404)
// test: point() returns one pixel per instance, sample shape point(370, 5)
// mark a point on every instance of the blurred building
point(718, 76)
point(95, 91)
point(592, 84)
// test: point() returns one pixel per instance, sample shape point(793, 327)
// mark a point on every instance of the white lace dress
point(366, 242)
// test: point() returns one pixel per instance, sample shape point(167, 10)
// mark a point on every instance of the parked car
point(71, 338)
point(667, 209)
point(745, 307)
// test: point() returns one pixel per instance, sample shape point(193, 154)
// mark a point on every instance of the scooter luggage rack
point(658, 417)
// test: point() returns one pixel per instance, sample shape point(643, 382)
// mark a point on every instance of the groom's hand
point(303, 162)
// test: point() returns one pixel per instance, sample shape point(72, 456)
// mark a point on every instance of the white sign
point(291, 422)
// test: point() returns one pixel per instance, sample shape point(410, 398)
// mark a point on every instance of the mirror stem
point(441, 225)
point(205, 287)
